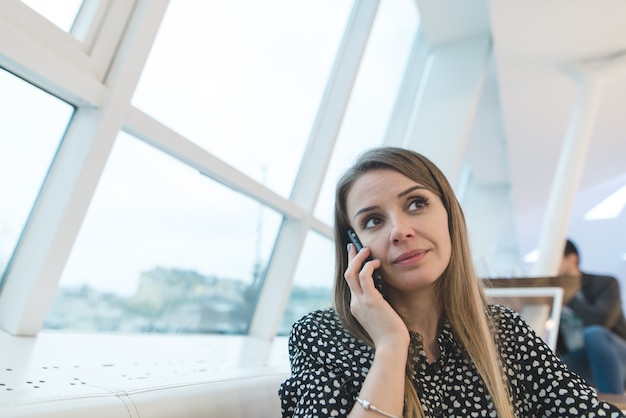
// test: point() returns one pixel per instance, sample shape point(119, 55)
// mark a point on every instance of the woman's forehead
point(383, 180)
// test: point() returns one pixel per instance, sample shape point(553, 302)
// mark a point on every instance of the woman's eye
point(418, 203)
point(370, 222)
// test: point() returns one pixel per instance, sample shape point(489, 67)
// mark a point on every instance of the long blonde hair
point(463, 300)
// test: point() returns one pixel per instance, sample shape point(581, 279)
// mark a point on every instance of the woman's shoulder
point(320, 320)
point(497, 311)
point(319, 316)
point(507, 319)
point(511, 328)
point(321, 331)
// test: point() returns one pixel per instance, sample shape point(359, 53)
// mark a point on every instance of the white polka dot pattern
point(328, 366)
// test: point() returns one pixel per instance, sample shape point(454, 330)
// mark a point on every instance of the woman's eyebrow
point(367, 209)
point(410, 189)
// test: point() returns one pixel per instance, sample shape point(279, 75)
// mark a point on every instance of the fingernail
point(349, 246)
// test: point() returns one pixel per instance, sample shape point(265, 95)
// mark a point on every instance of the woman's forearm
point(384, 385)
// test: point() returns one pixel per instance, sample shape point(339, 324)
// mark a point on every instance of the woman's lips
point(410, 257)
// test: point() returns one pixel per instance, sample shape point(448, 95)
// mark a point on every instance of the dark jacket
point(598, 302)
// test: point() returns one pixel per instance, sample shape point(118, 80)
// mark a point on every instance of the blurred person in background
point(592, 334)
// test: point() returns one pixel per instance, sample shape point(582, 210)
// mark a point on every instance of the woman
point(428, 344)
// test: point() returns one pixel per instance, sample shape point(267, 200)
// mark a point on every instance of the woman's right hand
point(367, 304)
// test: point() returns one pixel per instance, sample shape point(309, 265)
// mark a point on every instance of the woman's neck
point(421, 313)
point(426, 322)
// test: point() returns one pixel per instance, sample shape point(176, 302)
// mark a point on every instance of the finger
point(360, 271)
point(355, 264)
point(366, 275)
point(361, 256)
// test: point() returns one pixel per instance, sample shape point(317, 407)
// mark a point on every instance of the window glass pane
point(374, 93)
point(60, 12)
point(244, 79)
point(32, 124)
point(313, 282)
point(164, 249)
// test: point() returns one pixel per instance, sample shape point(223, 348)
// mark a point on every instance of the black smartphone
point(378, 278)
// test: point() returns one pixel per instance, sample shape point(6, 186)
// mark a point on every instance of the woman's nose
point(401, 230)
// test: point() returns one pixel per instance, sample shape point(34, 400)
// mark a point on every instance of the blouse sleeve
point(541, 382)
point(319, 385)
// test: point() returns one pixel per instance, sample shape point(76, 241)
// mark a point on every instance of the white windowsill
point(56, 364)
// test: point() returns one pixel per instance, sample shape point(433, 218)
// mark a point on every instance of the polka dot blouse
point(329, 365)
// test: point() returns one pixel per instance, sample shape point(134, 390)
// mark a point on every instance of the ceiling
point(530, 91)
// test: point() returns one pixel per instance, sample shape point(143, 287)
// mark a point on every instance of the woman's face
point(404, 225)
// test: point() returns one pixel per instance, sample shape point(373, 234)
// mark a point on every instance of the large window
point(178, 233)
point(164, 249)
point(32, 124)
